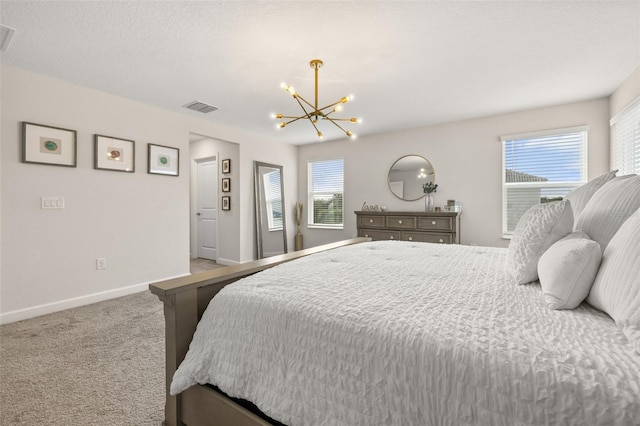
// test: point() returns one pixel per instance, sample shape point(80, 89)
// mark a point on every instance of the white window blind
point(625, 140)
point(273, 198)
point(538, 168)
point(325, 191)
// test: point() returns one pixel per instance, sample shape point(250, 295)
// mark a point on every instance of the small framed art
point(226, 166)
point(48, 145)
point(163, 160)
point(113, 154)
point(226, 203)
point(226, 185)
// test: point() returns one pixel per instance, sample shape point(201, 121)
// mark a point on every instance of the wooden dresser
point(430, 227)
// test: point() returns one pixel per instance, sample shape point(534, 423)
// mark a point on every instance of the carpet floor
point(100, 364)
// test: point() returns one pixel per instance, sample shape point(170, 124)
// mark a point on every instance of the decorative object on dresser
point(429, 188)
point(430, 227)
point(373, 208)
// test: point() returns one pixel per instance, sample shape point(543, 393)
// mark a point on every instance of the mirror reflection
point(271, 234)
point(408, 174)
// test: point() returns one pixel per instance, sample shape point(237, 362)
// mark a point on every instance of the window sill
point(337, 227)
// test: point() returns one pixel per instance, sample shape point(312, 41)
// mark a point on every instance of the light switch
point(52, 202)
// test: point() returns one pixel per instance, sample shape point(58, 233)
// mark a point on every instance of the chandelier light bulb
point(338, 108)
point(319, 134)
point(281, 125)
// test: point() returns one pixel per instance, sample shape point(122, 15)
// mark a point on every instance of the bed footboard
point(185, 299)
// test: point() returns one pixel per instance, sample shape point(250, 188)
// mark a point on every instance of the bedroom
point(139, 222)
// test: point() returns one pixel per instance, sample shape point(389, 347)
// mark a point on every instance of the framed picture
point(226, 185)
point(162, 160)
point(48, 145)
point(226, 203)
point(114, 154)
point(226, 166)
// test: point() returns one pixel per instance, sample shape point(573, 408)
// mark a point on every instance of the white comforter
point(394, 333)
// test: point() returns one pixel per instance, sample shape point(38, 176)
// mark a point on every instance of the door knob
point(197, 214)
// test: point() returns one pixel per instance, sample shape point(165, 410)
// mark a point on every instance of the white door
point(207, 209)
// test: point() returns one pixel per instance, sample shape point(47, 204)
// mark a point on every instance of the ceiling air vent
point(200, 107)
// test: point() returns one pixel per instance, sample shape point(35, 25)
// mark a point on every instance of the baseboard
point(49, 308)
point(227, 262)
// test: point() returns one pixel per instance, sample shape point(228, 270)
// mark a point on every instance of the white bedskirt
point(400, 333)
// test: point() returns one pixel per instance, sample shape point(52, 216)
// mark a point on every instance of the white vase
point(428, 202)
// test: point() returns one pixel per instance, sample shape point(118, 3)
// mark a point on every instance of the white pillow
point(580, 196)
point(616, 289)
point(609, 207)
point(567, 270)
point(539, 227)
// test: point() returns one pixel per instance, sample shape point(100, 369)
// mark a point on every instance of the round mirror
point(408, 174)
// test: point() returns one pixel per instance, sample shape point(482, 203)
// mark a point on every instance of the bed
point(404, 333)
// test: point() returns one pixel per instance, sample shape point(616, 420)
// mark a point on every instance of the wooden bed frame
point(185, 300)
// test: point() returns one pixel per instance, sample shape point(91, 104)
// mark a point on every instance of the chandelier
point(314, 113)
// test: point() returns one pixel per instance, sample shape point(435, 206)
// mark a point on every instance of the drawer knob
point(391, 237)
point(410, 238)
point(366, 235)
point(370, 220)
point(441, 240)
point(433, 222)
point(400, 222)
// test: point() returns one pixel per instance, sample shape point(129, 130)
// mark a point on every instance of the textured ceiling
point(409, 64)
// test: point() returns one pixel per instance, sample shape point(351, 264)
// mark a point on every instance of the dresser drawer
point(435, 223)
point(379, 235)
point(371, 221)
point(403, 222)
point(430, 237)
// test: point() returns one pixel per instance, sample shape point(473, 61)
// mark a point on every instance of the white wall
point(139, 222)
point(467, 159)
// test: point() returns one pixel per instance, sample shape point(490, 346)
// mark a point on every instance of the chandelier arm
point(351, 120)
point(337, 125)
point(298, 97)
point(308, 116)
point(331, 105)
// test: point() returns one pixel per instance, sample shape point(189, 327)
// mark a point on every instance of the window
point(539, 168)
point(625, 140)
point(325, 189)
point(273, 199)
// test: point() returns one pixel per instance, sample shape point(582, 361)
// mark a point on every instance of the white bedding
point(395, 333)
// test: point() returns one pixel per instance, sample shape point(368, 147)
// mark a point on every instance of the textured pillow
point(609, 207)
point(567, 270)
point(580, 196)
point(540, 226)
point(616, 289)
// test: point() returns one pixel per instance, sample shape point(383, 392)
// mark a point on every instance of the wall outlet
point(101, 263)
